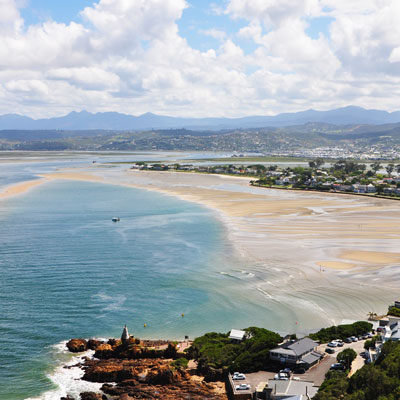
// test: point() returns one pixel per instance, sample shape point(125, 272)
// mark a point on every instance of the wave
point(66, 377)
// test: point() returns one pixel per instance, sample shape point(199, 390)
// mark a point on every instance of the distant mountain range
point(122, 122)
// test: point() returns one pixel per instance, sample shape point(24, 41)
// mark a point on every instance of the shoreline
point(317, 276)
point(21, 187)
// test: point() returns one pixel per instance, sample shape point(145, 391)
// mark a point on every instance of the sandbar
point(319, 256)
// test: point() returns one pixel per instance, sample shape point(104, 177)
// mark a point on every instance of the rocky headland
point(131, 368)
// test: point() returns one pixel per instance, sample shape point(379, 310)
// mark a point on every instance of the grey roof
point(292, 387)
point(297, 348)
point(311, 358)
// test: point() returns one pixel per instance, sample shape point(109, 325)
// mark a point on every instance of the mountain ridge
point(111, 120)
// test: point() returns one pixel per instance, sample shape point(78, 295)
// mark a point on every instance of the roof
point(297, 348)
point(311, 358)
point(237, 334)
point(292, 388)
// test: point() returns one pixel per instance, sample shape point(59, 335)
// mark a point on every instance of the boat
point(115, 219)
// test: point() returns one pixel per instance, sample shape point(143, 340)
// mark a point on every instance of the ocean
point(68, 271)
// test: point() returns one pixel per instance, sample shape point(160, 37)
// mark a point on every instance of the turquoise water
point(68, 271)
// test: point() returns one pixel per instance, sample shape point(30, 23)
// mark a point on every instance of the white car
point(243, 386)
point(332, 344)
point(238, 377)
point(281, 377)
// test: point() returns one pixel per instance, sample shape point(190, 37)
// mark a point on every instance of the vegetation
point(217, 351)
point(395, 311)
point(378, 381)
point(341, 331)
point(346, 357)
point(180, 363)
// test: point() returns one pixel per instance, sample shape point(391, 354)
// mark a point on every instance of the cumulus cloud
point(129, 56)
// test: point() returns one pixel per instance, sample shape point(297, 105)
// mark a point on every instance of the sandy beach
point(327, 257)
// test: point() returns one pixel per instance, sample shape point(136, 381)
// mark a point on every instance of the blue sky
point(198, 17)
point(198, 57)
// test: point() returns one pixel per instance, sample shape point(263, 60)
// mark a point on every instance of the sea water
point(67, 270)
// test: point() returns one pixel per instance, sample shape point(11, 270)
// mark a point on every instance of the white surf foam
point(67, 377)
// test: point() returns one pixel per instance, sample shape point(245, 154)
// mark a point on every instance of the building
point(299, 353)
point(289, 390)
point(237, 335)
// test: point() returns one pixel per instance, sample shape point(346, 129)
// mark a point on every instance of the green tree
point(376, 167)
point(389, 169)
point(346, 357)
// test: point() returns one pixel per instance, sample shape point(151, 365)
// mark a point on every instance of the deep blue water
point(68, 271)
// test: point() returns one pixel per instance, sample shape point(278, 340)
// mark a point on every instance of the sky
point(198, 58)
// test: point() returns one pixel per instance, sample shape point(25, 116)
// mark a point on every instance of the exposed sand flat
point(323, 257)
point(370, 257)
point(20, 188)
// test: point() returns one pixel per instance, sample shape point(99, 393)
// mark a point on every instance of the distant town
point(343, 176)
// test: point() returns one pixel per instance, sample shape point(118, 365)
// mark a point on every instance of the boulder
point(77, 345)
point(93, 344)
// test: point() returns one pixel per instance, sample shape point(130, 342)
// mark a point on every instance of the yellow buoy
point(145, 325)
point(183, 315)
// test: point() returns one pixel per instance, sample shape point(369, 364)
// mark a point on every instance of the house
point(290, 390)
point(299, 353)
point(236, 335)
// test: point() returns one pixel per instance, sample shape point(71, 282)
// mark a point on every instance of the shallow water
point(69, 271)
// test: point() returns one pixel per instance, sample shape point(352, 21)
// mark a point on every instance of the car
point(300, 370)
point(338, 366)
point(238, 377)
point(354, 339)
point(370, 335)
point(365, 336)
point(348, 340)
point(242, 386)
point(332, 344)
point(281, 377)
point(340, 344)
point(329, 350)
point(287, 371)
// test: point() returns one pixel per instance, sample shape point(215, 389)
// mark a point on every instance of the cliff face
point(142, 370)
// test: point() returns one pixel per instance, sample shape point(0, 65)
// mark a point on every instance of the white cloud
point(128, 56)
point(215, 33)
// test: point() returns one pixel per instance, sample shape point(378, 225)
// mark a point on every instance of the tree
point(346, 357)
point(376, 167)
point(390, 169)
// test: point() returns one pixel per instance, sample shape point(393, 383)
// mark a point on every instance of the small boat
point(115, 219)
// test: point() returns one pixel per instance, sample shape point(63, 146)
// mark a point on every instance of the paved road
point(358, 347)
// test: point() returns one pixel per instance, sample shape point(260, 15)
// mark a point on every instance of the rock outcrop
point(142, 370)
point(77, 345)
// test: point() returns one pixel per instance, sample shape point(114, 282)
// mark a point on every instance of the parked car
point(242, 386)
point(238, 377)
point(281, 377)
point(348, 340)
point(365, 336)
point(329, 350)
point(300, 370)
point(370, 335)
point(338, 366)
point(354, 339)
point(287, 371)
point(340, 343)
point(332, 344)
